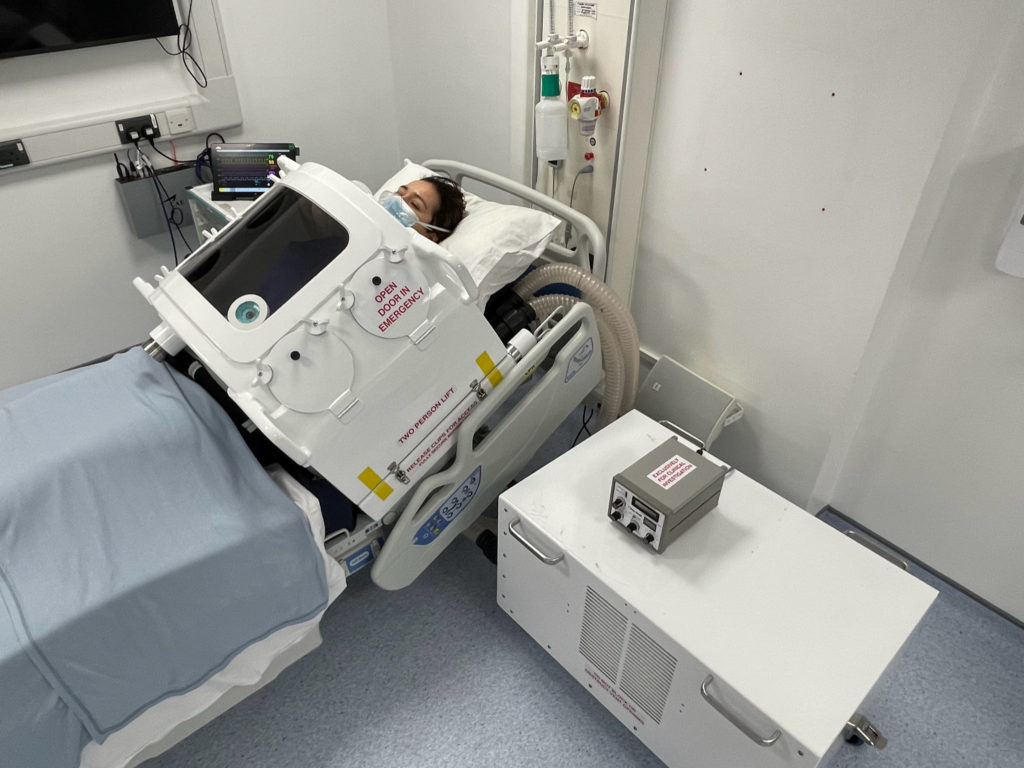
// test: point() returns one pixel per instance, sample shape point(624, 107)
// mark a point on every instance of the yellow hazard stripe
point(369, 478)
point(487, 366)
point(373, 481)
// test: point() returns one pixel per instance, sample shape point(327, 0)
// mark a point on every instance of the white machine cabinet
point(751, 641)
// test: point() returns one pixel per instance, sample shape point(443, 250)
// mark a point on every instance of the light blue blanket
point(141, 547)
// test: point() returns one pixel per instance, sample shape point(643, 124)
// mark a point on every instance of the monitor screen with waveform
point(244, 171)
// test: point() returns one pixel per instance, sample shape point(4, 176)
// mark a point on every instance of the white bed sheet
point(172, 719)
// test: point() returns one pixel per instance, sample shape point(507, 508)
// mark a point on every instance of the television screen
point(39, 26)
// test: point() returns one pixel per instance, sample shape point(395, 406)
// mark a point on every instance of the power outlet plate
point(12, 153)
point(132, 129)
point(180, 120)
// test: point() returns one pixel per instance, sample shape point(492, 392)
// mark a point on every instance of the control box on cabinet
point(662, 494)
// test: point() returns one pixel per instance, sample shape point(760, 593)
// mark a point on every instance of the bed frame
point(357, 547)
point(524, 435)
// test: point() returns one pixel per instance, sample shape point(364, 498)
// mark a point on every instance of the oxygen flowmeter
point(586, 106)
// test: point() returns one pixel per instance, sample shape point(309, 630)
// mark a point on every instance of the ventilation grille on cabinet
point(647, 673)
point(647, 669)
point(603, 633)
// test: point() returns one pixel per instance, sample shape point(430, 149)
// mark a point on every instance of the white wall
point(829, 187)
point(452, 66)
point(775, 211)
point(68, 256)
point(930, 454)
point(317, 72)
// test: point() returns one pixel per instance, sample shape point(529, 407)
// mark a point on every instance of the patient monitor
point(356, 346)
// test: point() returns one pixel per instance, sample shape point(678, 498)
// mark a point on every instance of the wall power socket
point(12, 153)
point(134, 129)
point(180, 120)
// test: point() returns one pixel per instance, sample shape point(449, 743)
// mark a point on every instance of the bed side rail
point(590, 244)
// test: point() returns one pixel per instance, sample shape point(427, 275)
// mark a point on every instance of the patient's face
point(423, 198)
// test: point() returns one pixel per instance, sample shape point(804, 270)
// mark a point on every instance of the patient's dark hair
point(453, 204)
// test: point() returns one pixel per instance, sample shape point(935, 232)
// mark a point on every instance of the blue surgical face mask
point(398, 208)
point(402, 211)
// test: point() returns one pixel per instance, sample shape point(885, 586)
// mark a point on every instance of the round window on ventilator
point(247, 311)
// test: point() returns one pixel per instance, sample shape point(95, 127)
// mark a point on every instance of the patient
point(437, 202)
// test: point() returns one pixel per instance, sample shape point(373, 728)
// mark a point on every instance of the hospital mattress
point(143, 551)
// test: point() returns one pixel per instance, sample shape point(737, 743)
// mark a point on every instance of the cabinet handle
point(518, 536)
point(735, 719)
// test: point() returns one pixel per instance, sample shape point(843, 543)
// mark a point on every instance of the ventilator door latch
point(398, 472)
point(477, 386)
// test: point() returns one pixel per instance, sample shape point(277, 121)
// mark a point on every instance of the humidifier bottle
point(551, 115)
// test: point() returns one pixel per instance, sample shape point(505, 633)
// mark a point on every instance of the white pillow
point(496, 242)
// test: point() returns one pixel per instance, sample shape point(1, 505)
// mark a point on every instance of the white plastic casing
point(364, 372)
point(521, 343)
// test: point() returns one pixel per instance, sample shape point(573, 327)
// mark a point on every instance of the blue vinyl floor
point(437, 675)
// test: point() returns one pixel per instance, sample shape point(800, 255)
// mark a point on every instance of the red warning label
point(672, 471)
point(438, 405)
point(394, 300)
point(441, 439)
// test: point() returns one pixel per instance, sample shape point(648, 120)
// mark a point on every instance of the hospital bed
point(375, 370)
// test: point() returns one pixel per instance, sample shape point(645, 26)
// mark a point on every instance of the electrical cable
point(203, 158)
point(184, 42)
point(172, 159)
point(175, 218)
point(584, 427)
point(567, 232)
point(589, 168)
point(167, 219)
point(122, 170)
